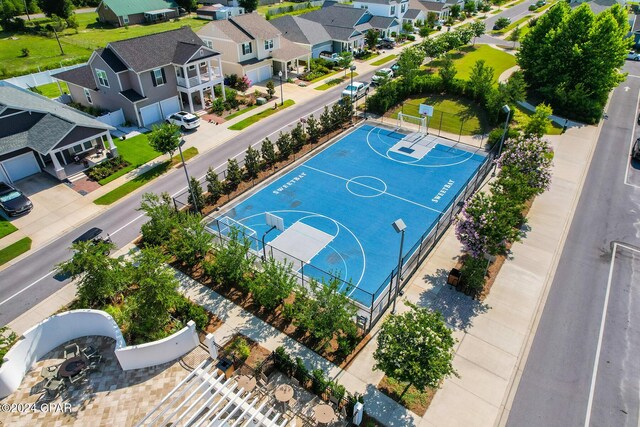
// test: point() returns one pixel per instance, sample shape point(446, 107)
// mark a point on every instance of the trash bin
point(226, 367)
point(454, 277)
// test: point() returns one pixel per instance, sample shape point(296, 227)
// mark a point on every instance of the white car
point(383, 74)
point(184, 120)
point(633, 56)
point(356, 90)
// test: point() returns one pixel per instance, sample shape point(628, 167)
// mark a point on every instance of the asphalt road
point(514, 13)
point(560, 385)
point(31, 280)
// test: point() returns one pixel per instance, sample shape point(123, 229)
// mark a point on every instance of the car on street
point(382, 75)
point(633, 56)
point(184, 120)
point(395, 67)
point(635, 151)
point(94, 235)
point(356, 90)
point(12, 201)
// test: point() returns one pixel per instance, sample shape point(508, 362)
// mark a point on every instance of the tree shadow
point(386, 410)
point(458, 309)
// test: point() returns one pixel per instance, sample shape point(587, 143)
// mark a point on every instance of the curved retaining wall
point(60, 328)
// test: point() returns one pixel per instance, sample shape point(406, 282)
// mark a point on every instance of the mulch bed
point(417, 405)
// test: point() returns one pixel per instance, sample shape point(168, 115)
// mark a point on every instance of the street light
point(186, 174)
point(507, 111)
point(281, 93)
point(400, 227)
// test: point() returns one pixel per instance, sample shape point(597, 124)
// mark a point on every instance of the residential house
point(251, 46)
point(347, 25)
point(308, 34)
point(441, 9)
point(218, 11)
point(148, 77)
point(597, 6)
point(391, 8)
point(634, 24)
point(37, 133)
point(128, 12)
point(414, 16)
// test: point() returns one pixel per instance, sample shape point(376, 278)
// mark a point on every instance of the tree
point(478, 28)
point(270, 89)
point(9, 9)
point(502, 23)
point(284, 145)
point(345, 60)
point(163, 218)
point(248, 5)
point(371, 38)
point(243, 84)
point(165, 138)
point(539, 121)
point(233, 260)
point(62, 8)
point(313, 129)
point(298, 138)
point(447, 71)
point(234, 175)
point(214, 186)
point(326, 122)
point(407, 28)
point(273, 283)
point(531, 155)
point(480, 81)
point(188, 5)
point(433, 47)
point(415, 347)
point(515, 35)
point(190, 242)
point(465, 34)
point(454, 11)
point(252, 162)
point(268, 153)
point(432, 17)
point(469, 7)
point(195, 198)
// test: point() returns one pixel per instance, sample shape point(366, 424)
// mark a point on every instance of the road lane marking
point(629, 159)
point(24, 289)
point(126, 225)
point(602, 325)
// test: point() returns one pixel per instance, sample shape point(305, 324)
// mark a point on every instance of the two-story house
point(251, 46)
point(439, 8)
point(390, 8)
point(148, 77)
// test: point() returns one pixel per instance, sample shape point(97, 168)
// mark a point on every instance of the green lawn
point(295, 12)
point(370, 55)
point(242, 111)
point(336, 81)
point(6, 227)
point(133, 185)
point(450, 113)
point(189, 153)
point(257, 117)
point(52, 90)
point(263, 9)
point(522, 115)
point(44, 52)
point(136, 151)
point(14, 250)
point(499, 60)
point(512, 25)
point(515, 3)
point(384, 60)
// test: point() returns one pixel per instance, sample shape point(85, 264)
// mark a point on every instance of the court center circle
point(366, 186)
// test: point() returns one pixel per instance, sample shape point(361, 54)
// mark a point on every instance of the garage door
point(253, 76)
point(150, 114)
point(265, 73)
point(21, 166)
point(170, 106)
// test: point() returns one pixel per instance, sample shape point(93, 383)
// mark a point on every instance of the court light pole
point(400, 227)
point(507, 111)
point(281, 91)
point(186, 174)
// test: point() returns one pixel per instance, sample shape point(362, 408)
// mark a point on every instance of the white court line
point(373, 188)
point(629, 159)
point(592, 389)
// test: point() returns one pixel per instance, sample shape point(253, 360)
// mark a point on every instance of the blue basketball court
point(339, 205)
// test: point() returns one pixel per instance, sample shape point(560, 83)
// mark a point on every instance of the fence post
point(460, 133)
point(440, 126)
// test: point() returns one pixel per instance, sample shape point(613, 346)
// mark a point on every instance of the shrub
point(411, 37)
point(25, 52)
point(472, 273)
point(217, 106)
point(234, 175)
point(186, 310)
point(106, 168)
point(240, 349)
point(318, 381)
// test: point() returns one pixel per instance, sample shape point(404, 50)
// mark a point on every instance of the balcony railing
point(204, 78)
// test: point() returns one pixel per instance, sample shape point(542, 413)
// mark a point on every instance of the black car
point(93, 235)
point(386, 44)
point(635, 151)
point(12, 201)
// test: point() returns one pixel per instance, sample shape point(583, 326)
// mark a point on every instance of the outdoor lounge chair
point(53, 387)
point(71, 350)
point(89, 352)
point(77, 379)
point(49, 372)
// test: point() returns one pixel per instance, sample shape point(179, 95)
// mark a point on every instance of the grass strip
point(515, 3)
point(257, 117)
point(134, 184)
point(237, 113)
point(384, 60)
point(6, 227)
point(51, 90)
point(14, 250)
point(188, 154)
point(335, 82)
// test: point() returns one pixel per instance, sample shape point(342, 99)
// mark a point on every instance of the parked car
point(382, 75)
point(386, 44)
point(184, 120)
point(501, 23)
point(633, 56)
point(12, 201)
point(395, 67)
point(635, 151)
point(356, 90)
point(329, 56)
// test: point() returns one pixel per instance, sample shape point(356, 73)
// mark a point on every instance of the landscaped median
point(261, 115)
point(14, 250)
point(384, 60)
point(142, 179)
point(333, 82)
point(6, 227)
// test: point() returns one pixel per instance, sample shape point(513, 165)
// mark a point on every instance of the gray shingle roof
point(289, 51)
point(433, 6)
point(255, 25)
point(154, 50)
point(378, 1)
point(300, 30)
point(111, 59)
point(228, 29)
point(412, 13)
point(55, 120)
point(81, 76)
point(382, 22)
point(341, 33)
point(336, 16)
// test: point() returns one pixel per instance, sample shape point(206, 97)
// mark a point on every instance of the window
point(102, 78)
point(125, 19)
point(403, 7)
point(246, 48)
point(268, 44)
point(158, 77)
point(191, 67)
point(393, 11)
point(87, 95)
point(209, 44)
point(87, 145)
point(364, 6)
point(77, 149)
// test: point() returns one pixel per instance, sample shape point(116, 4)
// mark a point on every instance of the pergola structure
point(207, 398)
